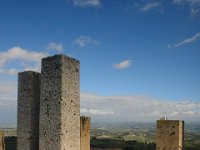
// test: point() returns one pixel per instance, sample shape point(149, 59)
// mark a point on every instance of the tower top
point(57, 56)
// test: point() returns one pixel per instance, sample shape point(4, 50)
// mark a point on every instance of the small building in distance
point(2, 143)
point(85, 133)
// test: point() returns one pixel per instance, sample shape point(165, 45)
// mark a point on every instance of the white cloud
point(188, 40)
point(97, 111)
point(21, 59)
point(151, 6)
point(83, 41)
point(19, 53)
point(86, 3)
point(124, 64)
point(194, 5)
point(137, 108)
point(58, 47)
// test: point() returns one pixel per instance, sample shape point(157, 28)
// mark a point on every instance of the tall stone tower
point(85, 133)
point(28, 110)
point(60, 104)
point(170, 135)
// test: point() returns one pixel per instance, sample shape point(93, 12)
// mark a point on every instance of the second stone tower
point(60, 104)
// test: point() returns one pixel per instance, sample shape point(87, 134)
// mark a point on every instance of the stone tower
point(170, 135)
point(85, 133)
point(2, 143)
point(60, 104)
point(28, 110)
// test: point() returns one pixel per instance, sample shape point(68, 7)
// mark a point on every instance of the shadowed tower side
point(60, 104)
point(170, 135)
point(28, 110)
point(85, 133)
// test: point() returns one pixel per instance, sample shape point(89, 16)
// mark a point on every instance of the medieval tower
point(170, 135)
point(60, 104)
point(28, 110)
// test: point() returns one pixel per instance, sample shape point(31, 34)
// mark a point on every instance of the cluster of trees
point(192, 147)
point(10, 142)
point(130, 145)
point(120, 144)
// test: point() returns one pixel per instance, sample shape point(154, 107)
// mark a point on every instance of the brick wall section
point(2, 143)
point(28, 110)
point(60, 104)
point(170, 135)
point(85, 133)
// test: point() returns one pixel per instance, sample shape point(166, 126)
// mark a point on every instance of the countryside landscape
point(123, 136)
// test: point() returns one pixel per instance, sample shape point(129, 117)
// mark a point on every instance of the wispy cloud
point(123, 64)
point(194, 5)
point(83, 41)
point(97, 111)
point(151, 6)
point(191, 2)
point(188, 40)
point(136, 108)
point(86, 3)
point(23, 58)
point(52, 46)
point(194, 11)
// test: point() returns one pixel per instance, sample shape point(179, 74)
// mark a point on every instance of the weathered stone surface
point(2, 143)
point(170, 135)
point(60, 104)
point(28, 110)
point(85, 133)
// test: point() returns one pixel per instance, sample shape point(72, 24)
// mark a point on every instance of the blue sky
point(132, 53)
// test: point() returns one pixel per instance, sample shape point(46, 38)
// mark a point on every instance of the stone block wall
point(28, 110)
point(85, 133)
point(60, 104)
point(170, 135)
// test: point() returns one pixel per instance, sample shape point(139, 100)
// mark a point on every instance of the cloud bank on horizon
point(137, 108)
point(114, 108)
